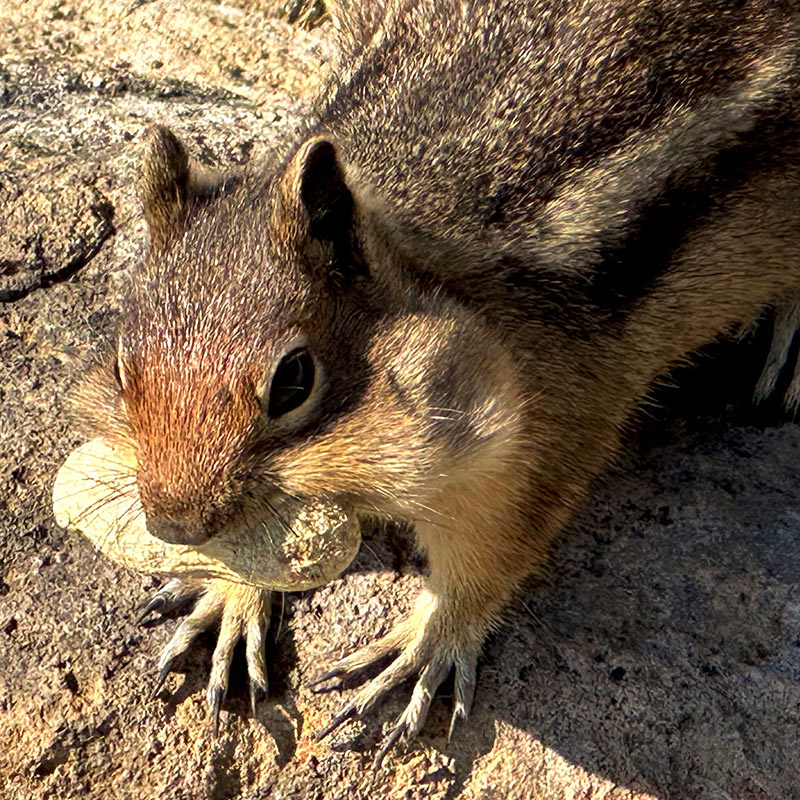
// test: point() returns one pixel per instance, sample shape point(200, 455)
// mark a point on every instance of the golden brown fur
point(506, 222)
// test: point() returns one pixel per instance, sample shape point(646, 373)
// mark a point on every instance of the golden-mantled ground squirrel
point(446, 302)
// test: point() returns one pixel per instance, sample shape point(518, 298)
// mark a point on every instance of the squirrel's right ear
point(169, 186)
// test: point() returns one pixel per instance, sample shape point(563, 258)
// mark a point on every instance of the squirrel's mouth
point(307, 544)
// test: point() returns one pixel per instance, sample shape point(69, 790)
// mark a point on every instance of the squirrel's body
point(507, 221)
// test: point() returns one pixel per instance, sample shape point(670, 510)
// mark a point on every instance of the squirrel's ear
point(314, 184)
point(169, 187)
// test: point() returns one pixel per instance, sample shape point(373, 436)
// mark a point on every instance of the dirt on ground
point(658, 658)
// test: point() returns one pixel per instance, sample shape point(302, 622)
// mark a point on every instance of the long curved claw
point(348, 712)
point(162, 678)
point(155, 603)
point(172, 596)
point(315, 684)
point(257, 693)
point(466, 679)
point(256, 649)
point(215, 696)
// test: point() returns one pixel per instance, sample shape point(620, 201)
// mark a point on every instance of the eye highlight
point(292, 383)
point(118, 374)
point(118, 368)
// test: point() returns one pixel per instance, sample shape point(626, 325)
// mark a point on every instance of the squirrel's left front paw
point(430, 646)
point(242, 612)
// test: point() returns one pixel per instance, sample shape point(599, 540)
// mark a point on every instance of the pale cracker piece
point(95, 492)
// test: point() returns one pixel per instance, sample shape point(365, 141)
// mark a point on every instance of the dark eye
point(291, 384)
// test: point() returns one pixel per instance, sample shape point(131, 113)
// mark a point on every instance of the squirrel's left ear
point(314, 190)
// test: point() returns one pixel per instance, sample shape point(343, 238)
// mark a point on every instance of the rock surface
point(660, 658)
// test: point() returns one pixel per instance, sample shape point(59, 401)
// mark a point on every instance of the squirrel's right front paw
point(242, 611)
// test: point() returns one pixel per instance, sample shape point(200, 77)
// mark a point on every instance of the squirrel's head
point(262, 356)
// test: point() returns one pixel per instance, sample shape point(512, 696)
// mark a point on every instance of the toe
point(365, 657)
point(245, 615)
point(203, 617)
point(367, 698)
point(410, 722)
point(416, 712)
point(230, 632)
point(466, 667)
point(371, 694)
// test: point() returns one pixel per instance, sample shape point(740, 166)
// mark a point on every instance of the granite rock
point(657, 658)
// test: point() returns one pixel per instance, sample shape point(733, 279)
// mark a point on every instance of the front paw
point(430, 643)
point(240, 610)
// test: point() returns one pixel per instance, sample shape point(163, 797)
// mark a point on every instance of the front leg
point(489, 469)
point(241, 612)
point(434, 639)
point(480, 548)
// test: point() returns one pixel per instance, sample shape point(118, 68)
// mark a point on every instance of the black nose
point(176, 533)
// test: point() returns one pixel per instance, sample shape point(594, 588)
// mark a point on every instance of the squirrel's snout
point(173, 532)
point(175, 512)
